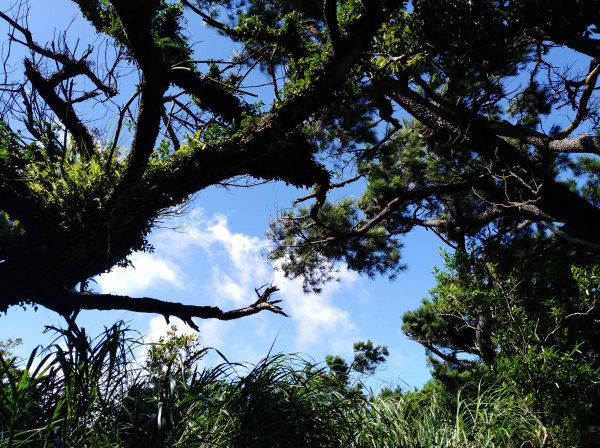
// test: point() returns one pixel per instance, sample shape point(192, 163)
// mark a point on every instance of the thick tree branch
point(146, 132)
point(553, 199)
point(566, 236)
point(211, 96)
point(575, 41)
point(483, 338)
point(67, 302)
point(330, 15)
point(272, 149)
point(582, 144)
point(581, 218)
point(266, 155)
point(136, 17)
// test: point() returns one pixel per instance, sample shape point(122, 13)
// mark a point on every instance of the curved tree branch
point(463, 363)
point(63, 109)
point(232, 32)
point(588, 87)
point(273, 149)
point(582, 144)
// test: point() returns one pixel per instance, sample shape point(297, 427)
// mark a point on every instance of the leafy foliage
point(524, 314)
point(95, 394)
point(475, 120)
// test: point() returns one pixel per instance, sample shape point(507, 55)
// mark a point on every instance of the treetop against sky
point(450, 116)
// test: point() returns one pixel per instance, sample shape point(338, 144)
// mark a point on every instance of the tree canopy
point(476, 120)
point(523, 314)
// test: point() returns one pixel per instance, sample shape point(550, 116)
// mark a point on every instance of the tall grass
point(422, 419)
point(84, 392)
point(69, 392)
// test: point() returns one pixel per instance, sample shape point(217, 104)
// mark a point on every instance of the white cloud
point(158, 328)
point(147, 271)
point(318, 320)
point(212, 332)
point(238, 267)
point(235, 275)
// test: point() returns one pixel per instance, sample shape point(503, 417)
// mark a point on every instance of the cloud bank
point(237, 266)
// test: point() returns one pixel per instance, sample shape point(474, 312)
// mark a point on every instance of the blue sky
point(214, 255)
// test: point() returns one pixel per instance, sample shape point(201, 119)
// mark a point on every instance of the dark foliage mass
point(476, 120)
